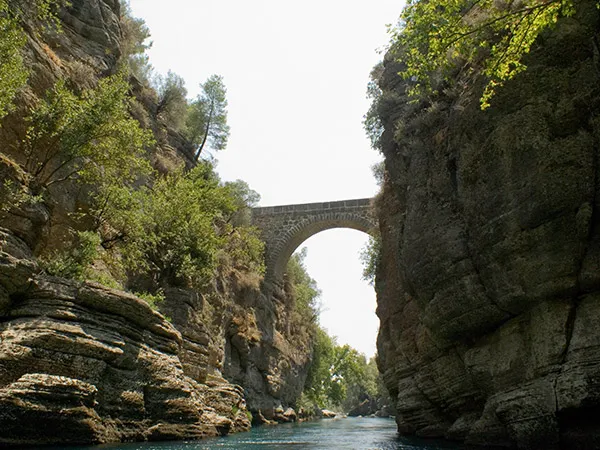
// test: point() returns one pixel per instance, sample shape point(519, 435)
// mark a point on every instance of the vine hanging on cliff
point(481, 36)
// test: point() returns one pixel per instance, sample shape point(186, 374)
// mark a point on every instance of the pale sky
point(296, 75)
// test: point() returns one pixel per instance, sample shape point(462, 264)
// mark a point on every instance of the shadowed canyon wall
point(488, 287)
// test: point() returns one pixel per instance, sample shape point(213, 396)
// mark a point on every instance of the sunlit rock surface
point(80, 363)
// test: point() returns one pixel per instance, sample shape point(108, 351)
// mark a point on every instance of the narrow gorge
point(487, 277)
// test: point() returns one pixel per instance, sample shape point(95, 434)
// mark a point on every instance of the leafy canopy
point(13, 73)
point(88, 137)
point(370, 257)
point(207, 116)
point(134, 43)
point(335, 371)
point(304, 288)
point(172, 233)
point(481, 36)
point(172, 103)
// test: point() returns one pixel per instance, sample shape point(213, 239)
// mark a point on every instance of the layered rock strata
point(81, 363)
point(489, 285)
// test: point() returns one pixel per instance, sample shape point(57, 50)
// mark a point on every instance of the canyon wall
point(489, 283)
point(82, 363)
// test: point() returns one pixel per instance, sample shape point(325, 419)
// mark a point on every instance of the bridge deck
point(312, 207)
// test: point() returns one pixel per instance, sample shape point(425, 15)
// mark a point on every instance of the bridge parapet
point(285, 227)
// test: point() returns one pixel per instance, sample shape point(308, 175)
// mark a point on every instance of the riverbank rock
point(367, 407)
point(104, 366)
point(153, 379)
point(96, 364)
point(327, 414)
point(489, 285)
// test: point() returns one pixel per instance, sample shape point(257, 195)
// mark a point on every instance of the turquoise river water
point(347, 433)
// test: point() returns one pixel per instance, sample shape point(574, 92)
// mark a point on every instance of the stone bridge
point(284, 228)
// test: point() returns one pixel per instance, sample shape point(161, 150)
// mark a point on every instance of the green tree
point(173, 232)
point(170, 233)
point(245, 199)
point(13, 73)
point(372, 120)
point(318, 379)
point(88, 137)
point(370, 256)
point(435, 37)
point(244, 195)
point(334, 370)
point(134, 43)
point(304, 288)
point(172, 103)
point(207, 116)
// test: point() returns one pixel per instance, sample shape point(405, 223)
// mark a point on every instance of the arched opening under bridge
point(285, 228)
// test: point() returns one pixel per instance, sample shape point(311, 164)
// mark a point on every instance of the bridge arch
point(285, 228)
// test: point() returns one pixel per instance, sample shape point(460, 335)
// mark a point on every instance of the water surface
point(326, 434)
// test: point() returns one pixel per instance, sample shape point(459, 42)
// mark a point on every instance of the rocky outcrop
point(489, 286)
point(366, 407)
point(97, 363)
point(236, 331)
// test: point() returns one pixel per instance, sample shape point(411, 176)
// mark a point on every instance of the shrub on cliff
point(439, 37)
point(134, 43)
point(13, 72)
point(370, 256)
point(303, 289)
point(74, 262)
point(171, 233)
point(88, 137)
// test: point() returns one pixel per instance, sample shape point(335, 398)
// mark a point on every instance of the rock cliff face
point(238, 332)
point(489, 286)
point(80, 363)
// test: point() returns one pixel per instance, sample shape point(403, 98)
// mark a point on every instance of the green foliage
point(335, 370)
point(304, 288)
point(13, 73)
point(207, 116)
point(134, 43)
point(245, 250)
point(368, 386)
point(75, 262)
point(370, 256)
point(172, 232)
point(170, 228)
point(244, 196)
point(88, 137)
point(378, 170)
point(482, 36)
point(153, 299)
point(245, 199)
point(44, 11)
point(172, 107)
point(318, 380)
point(371, 121)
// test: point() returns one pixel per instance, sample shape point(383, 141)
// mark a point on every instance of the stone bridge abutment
point(284, 228)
